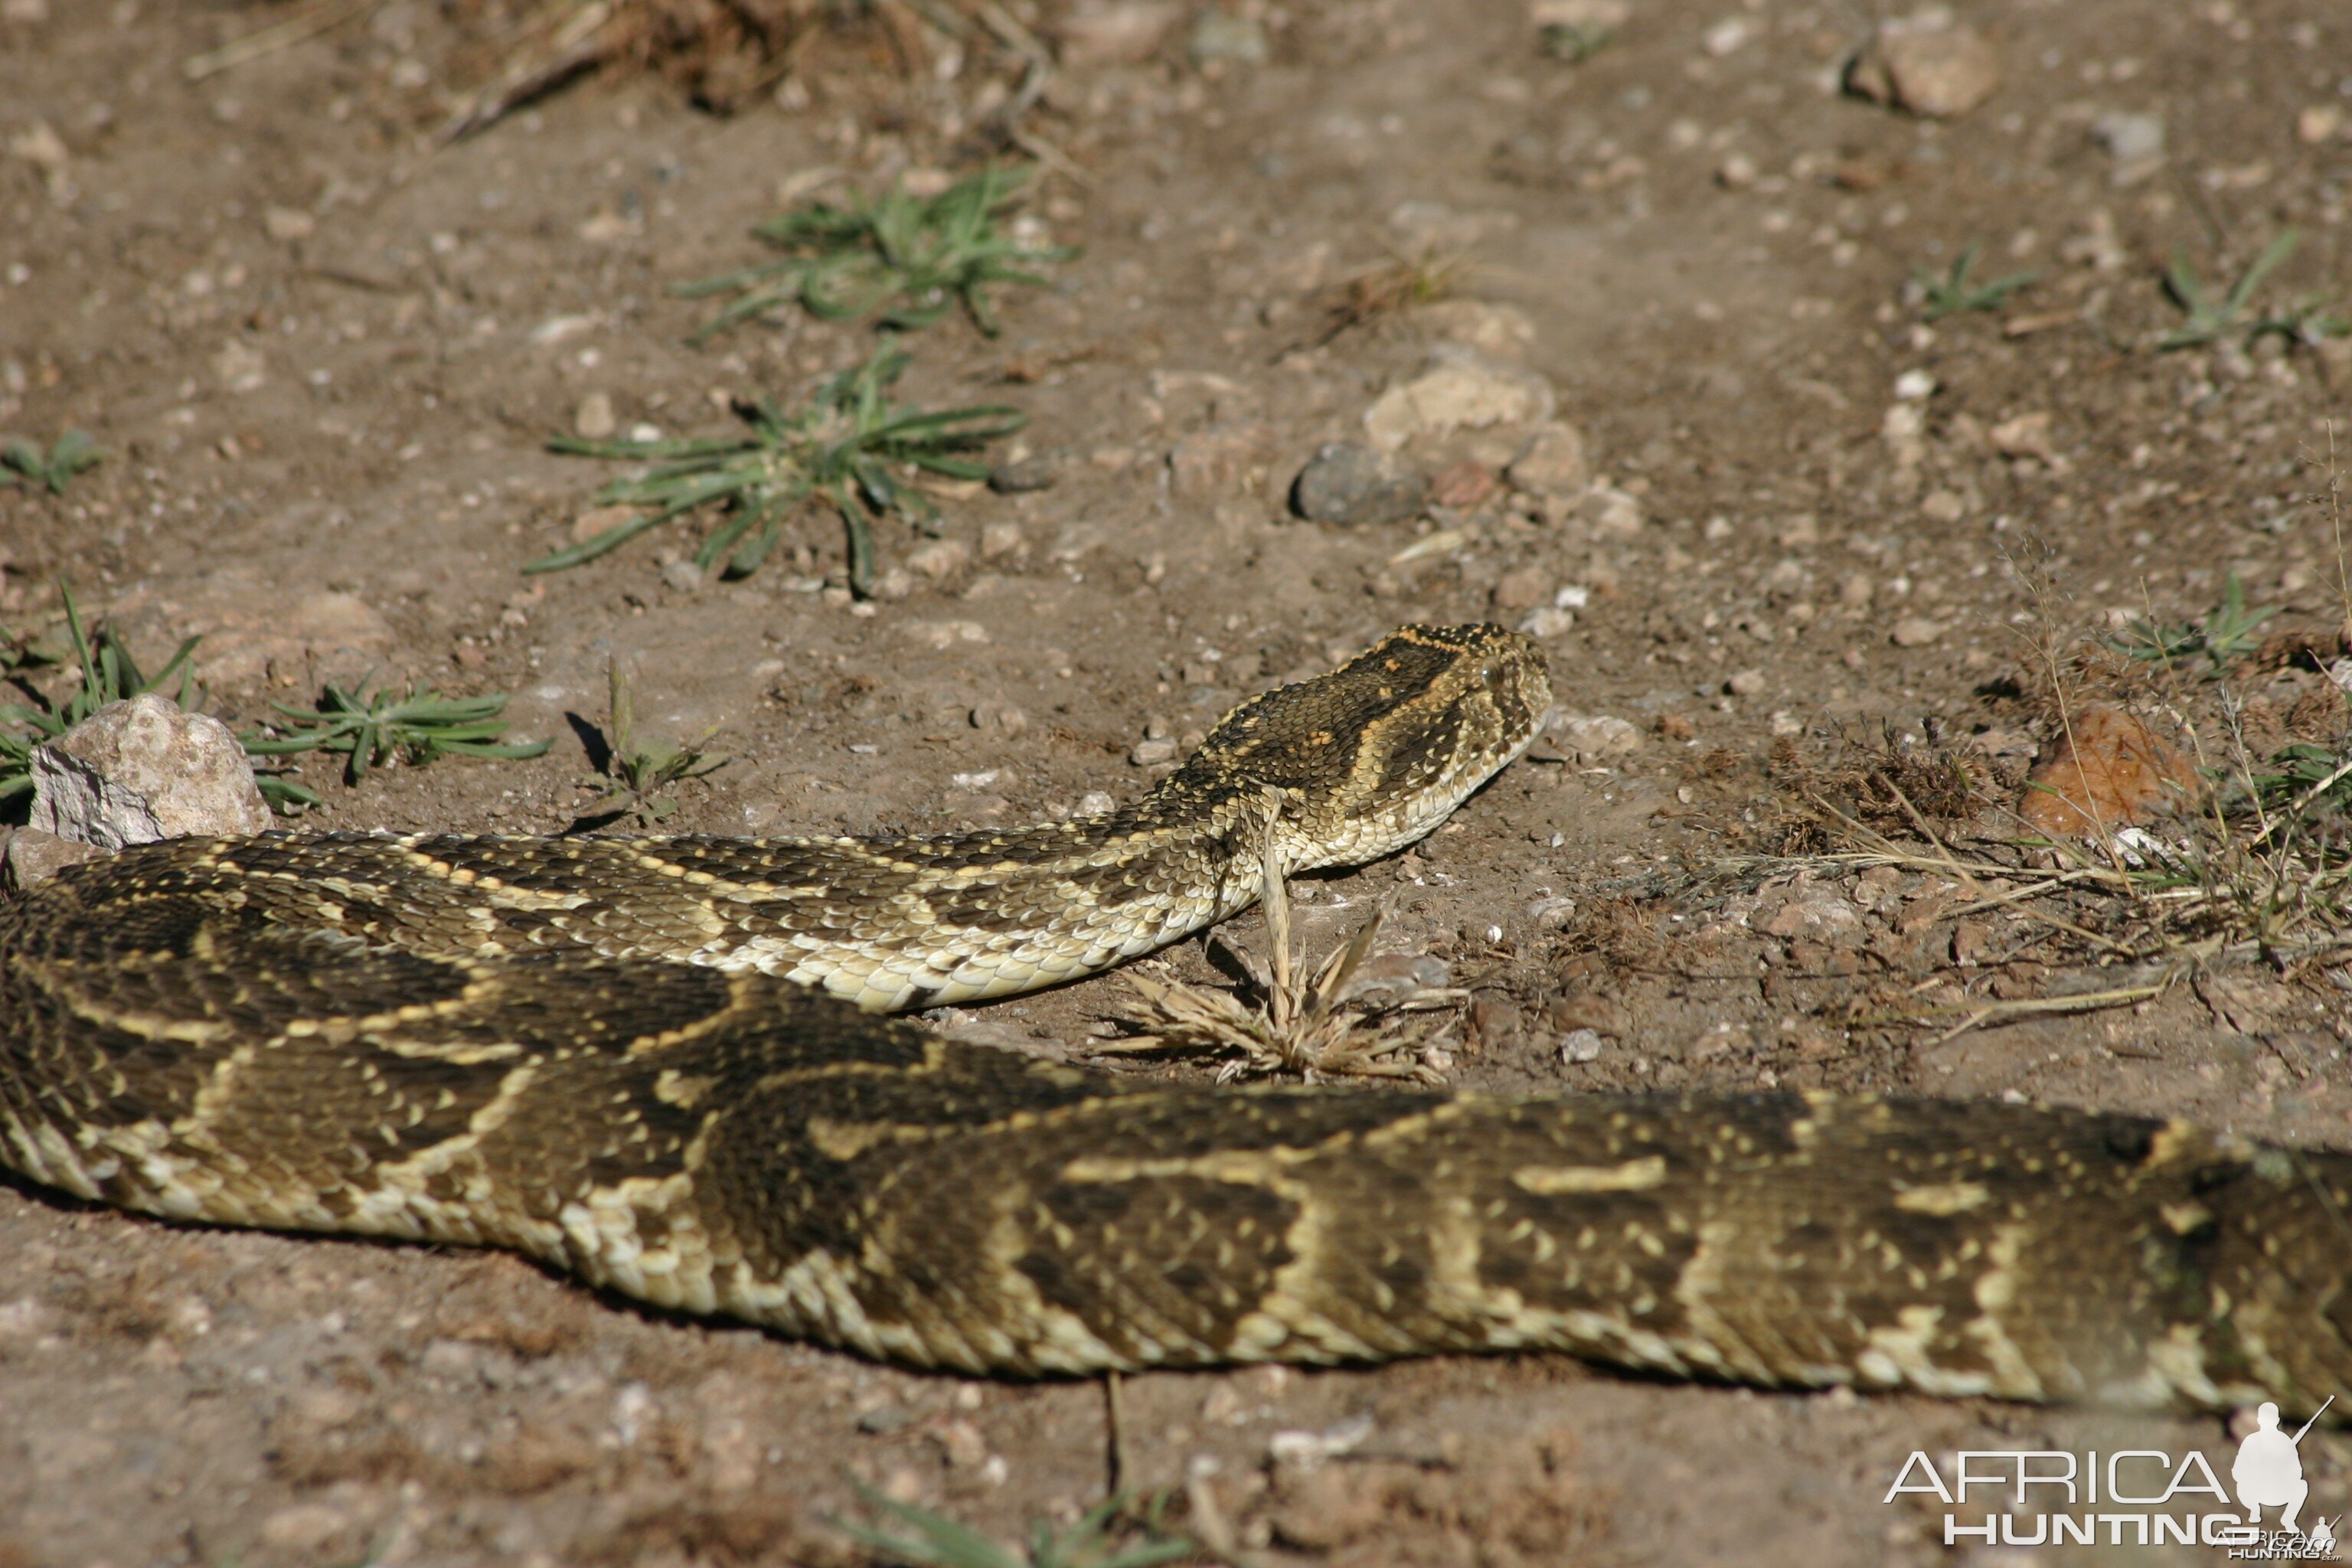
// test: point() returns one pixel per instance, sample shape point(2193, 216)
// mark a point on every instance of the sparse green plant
point(369, 730)
point(2206, 319)
point(936, 1541)
point(108, 673)
point(2306, 777)
point(1573, 42)
point(22, 461)
point(1389, 289)
point(843, 446)
point(910, 259)
point(634, 776)
point(2226, 635)
point(2307, 324)
point(1955, 293)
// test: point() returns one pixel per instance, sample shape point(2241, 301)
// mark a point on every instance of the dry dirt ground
point(322, 357)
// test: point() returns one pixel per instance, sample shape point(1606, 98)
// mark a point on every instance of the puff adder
point(620, 1057)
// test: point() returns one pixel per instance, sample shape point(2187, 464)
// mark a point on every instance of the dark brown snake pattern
point(617, 1056)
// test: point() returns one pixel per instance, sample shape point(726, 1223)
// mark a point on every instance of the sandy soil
point(323, 358)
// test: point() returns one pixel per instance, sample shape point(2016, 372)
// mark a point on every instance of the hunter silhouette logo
point(2269, 1469)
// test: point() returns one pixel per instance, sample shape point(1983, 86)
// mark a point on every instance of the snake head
point(1372, 756)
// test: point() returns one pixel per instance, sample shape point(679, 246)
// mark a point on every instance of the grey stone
point(34, 856)
point(138, 771)
point(1022, 478)
point(1356, 487)
point(682, 574)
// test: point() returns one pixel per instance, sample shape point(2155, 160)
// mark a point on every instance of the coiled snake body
point(616, 1056)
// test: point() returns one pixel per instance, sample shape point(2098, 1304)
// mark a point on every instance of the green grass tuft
point(369, 730)
point(22, 462)
point(1955, 294)
point(634, 776)
point(842, 446)
point(936, 1541)
point(2226, 635)
point(2207, 320)
point(909, 260)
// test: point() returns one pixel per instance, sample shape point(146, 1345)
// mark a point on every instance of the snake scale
point(619, 1057)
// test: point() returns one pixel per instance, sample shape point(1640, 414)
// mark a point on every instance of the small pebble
point(1000, 539)
point(1151, 753)
point(1114, 32)
point(1000, 718)
point(1521, 590)
point(2136, 143)
point(1926, 64)
point(1745, 682)
point(1356, 487)
point(1917, 631)
point(1580, 1045)
point(941, 558)
point(2026, 436)
point(594, 420)
point(1547, 622)
point(682, 574)
point(1030, 474)
point(1612, 513)
point(1552, 463)
point(1597, 738)
point(1464, 487)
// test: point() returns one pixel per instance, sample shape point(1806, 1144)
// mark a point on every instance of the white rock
point(1596, 738)
point(941, 558)
point(1460, 389)
point(138, 771)
point(1614, 513)
point(594, 420)
point(1580, 1045)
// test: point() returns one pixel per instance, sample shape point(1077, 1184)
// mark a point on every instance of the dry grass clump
point(726, 53)
point(1294, 1022)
